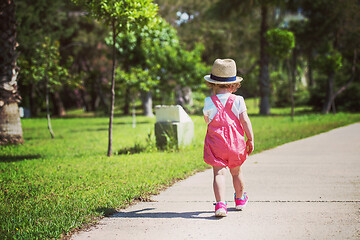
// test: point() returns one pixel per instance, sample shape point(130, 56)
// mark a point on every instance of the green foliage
point(123, 14)
point(346, 101)
point(44, 67)
point(280, 88)
point(153, 58)
point(330, 61)
point(349, 99)
point(163, 54)
point(189, 68)
point(280, 42)
point(136, 79)
point(144, 53)
point(324, 38)
point(36, 19)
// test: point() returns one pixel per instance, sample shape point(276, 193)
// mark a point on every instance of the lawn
point(49, 187)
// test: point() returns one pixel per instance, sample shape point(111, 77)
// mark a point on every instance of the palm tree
point(10, 126)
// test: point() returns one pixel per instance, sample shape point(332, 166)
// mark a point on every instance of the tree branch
point(353, 68)
point(244, 72)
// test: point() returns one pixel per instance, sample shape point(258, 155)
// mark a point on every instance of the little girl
point(227, 119)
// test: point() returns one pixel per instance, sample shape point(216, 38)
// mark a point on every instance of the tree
point(10, 125)
point(226, 29)
point(140, 51)
point(45, 71)
point(83, 41)
point(152, 58)
point(328, 63)
point(36, 19)
point(120, 15)
point(280, 45)
point(241, 8)
point(329, 35)
point(264, 78)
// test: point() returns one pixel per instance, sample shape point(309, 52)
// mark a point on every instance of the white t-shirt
point(210, 109)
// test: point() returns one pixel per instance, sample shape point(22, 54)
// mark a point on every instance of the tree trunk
point(264, 80)
point(179, 100)
point(48, 109)
point(187, 94)
point(310, 74)
point(133, 113)
point(146, 98)
point(59, 109)
point(126, 108)
point(32, 99)
point(84, 100)
point(326, 108)
point(10, 125)
point(109, 153)
point(101, 96)
point(329, 93)
point(291, 88)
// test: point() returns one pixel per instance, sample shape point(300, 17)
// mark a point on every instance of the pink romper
point(224, 142)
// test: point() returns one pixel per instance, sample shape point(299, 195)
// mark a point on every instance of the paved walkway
point(307, 189)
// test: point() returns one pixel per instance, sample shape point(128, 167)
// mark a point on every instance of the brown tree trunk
point(101, 95)
point(10, 125)
point(146, 98)
point(109, 153)
point(329, 94)
point(291, 87)
point(293, 82)
point(188, 96)
point(179, 99)
point(48, 109)
point(264, 80)
point(330, 100)
point(59, 109)
point(310, 73)
point(33, 104)
point(127, 99)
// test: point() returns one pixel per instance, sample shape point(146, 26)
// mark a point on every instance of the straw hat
point(223, 72)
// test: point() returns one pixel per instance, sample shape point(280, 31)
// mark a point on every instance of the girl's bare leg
point(238, 181)
point(219, 183)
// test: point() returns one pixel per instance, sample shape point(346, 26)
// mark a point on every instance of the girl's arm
point(246, 123)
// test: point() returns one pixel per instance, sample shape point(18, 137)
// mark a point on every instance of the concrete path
point(308, 189)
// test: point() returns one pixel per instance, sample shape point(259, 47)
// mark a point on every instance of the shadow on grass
point(19, 158)
point(124, 123)
point(130, 123)
point(106, 211)
point(90, 130)
point(209, 215)
point(137, 148)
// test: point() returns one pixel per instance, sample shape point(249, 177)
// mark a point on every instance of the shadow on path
point(186, 215)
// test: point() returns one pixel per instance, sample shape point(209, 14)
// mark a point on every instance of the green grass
point(48, 186)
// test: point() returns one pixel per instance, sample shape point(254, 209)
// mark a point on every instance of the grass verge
point(49, 187)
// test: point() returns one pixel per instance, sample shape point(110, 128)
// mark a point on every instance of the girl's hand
point(250, 145)
point(206, 118)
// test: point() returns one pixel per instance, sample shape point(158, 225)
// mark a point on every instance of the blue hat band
point(223, 79)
